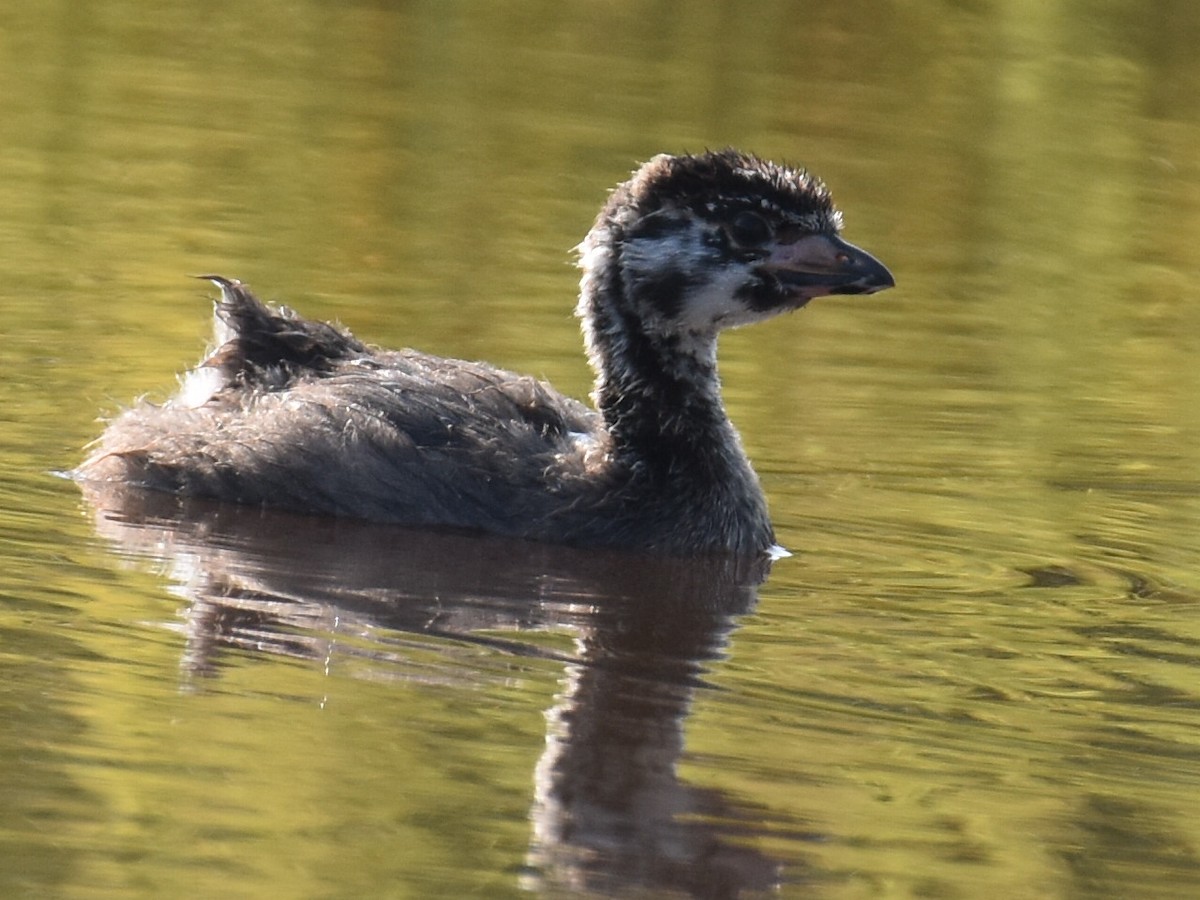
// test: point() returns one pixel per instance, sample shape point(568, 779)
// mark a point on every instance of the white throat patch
point(709, 300)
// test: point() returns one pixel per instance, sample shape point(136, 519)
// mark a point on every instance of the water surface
point(976, 676)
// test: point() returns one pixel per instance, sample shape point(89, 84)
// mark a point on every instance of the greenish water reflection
point(978, 675)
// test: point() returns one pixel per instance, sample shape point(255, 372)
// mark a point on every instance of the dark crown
point(721, 182)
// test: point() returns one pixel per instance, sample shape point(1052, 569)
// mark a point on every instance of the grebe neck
point(658, 392)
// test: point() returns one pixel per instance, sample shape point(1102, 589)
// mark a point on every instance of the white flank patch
point(200, 383)
point(198, 387)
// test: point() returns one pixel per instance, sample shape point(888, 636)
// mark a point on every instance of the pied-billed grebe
point(300, 415)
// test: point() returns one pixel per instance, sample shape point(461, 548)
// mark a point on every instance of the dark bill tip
point(821, 264)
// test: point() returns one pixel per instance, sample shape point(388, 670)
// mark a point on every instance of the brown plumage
point(300, 415)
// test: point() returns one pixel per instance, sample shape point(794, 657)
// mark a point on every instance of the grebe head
point(694, 244)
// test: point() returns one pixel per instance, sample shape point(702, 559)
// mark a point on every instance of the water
point(976, 677)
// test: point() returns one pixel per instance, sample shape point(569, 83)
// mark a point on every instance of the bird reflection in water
point(609, 811)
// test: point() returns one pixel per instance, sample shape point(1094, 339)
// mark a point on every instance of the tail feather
point(257, 343)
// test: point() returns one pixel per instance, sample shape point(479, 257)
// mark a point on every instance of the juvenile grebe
point(300, 415)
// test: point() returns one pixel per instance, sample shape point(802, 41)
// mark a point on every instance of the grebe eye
point(749, 229)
